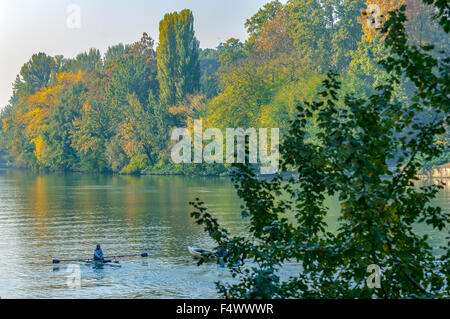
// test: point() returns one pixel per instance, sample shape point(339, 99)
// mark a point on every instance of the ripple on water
point(43, 217)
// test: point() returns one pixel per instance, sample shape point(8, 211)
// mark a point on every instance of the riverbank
point(214, 170)
point(439, 172)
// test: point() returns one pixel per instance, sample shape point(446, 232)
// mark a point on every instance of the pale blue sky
point(31, 26)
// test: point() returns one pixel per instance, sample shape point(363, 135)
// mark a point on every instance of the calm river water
point(46, 216)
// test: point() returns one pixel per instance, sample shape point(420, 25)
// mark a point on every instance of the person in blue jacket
point(98, 253)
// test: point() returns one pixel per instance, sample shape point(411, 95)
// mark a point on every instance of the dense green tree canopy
point(178, 64)
point(115, 112)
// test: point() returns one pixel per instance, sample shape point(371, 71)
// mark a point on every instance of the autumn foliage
point(115, 111)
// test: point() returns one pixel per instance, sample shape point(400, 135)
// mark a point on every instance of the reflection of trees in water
point(63, 215)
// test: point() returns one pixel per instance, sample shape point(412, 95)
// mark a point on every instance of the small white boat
point(199, 252)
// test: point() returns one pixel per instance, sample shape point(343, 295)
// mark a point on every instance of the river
point(47, 216)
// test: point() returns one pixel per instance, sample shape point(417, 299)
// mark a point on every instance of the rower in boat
point(99, 258)
point(98, 254)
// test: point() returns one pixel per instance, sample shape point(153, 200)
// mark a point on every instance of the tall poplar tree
point(178, 61)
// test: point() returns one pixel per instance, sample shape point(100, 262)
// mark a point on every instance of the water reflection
point(46, 216)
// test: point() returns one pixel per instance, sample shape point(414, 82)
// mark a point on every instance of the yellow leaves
point(38, 106)
point(35, 120)
point(90, 144)
point(39, 146)
point(5, 125)
point(68, 78)
point(137, 164)
point(266, 118)
point(85, 144)
point(45, 97)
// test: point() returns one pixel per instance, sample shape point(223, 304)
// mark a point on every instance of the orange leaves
point(194, 107)
point(374, 16)
point(274, 37)
point(129, 143)
point(190, 107)
point(88, 144)
point(179, 110)
point(377, 11)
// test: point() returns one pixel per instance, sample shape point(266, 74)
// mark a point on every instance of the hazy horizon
point(28, 27)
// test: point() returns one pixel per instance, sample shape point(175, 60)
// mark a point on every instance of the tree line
point(114, 113)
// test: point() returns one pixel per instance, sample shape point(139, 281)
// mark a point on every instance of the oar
point(139, 255)
point(57, 261)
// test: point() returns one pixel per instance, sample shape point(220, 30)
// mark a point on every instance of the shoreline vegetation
point(115, 112)
point(438, 172)
point(431, 172)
